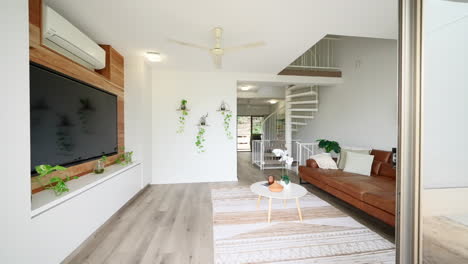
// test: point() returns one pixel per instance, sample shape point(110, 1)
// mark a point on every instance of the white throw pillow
point(342, 157)
point(358, 163)
point(324, 161)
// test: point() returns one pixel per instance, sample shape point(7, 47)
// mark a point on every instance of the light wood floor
point(173, 223)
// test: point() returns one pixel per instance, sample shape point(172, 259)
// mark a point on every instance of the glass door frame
point(408, 220)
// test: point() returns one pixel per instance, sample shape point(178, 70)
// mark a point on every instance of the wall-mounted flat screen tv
point(71, 121)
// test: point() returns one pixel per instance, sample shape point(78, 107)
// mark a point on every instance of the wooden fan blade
point(245, 46)
point(192, 45)
point(217, 60)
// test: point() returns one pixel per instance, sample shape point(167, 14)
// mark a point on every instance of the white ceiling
point(288, 27)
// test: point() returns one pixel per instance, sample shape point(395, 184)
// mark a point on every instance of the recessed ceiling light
point(245, 87)
point(153, 56)
point(272, 101)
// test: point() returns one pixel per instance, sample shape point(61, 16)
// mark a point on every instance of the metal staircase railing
point(304, 151)
point(273, 125)
point(301, 105)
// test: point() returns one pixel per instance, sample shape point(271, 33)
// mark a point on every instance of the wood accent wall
point(114, 66)
point(110, 79)
point(310, 73)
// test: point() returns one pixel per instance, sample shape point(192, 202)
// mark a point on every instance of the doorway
point(248, 128)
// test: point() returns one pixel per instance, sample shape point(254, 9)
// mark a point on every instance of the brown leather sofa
point(373, 194)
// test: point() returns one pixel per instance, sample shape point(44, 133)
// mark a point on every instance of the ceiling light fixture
point(153, 56)
point(245, 87)
point(273, 101)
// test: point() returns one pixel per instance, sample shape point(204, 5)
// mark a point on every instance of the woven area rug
point(242, 234)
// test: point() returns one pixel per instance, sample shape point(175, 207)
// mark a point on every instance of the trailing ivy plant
point(125, 157)
point(329, 146)
point(227, 122)
point(199, 143)
point(57, 184)
point(183, 115)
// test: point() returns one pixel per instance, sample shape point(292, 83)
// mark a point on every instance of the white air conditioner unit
point(60, 35)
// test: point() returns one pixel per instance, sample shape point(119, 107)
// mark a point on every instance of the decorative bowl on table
point(275, 187)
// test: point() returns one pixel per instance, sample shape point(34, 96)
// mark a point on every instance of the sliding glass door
point(444, 173)
point(433, 178)
point(248, 128)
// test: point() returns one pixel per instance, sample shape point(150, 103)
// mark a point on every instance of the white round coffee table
point(293, 191)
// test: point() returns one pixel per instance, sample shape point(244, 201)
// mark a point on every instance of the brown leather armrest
point(312, 163)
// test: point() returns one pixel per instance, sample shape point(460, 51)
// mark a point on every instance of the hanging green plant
point(200, 140)
point(227, 115)
point(227, 123)
point(183, 116)
point(199, 143)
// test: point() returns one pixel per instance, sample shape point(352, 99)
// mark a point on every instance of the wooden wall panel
point(114, 66)
point(53, 60)
point(310, 73)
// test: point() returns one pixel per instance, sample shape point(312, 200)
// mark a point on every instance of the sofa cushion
point(387, 170)
point(344, 153)
point(381, 155)
point(357, 185)
point(319, 174)
point(375, 167)
point(311, 163)
point(381, 200)
point(359, 163)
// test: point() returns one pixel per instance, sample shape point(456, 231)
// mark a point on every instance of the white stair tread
point(304, 102)
point(301, 94)
point(302, 116)
point(296, 87)
point(302, 109)
point(299, 123)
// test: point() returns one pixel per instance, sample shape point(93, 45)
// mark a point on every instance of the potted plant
point(183, 104)
point(287, 161)
point(57, 184)
point(223, 106)
point(100, 164)
point(329, 146)
point(183, 115)
point(203, 120)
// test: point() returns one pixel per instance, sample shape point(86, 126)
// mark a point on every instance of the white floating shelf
point(46, 200)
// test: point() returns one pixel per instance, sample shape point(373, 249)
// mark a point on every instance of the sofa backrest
point(382, 164)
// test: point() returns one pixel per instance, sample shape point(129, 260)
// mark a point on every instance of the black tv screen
point(71, 121)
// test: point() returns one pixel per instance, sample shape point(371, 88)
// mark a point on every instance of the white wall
point(362, 111)
point(259, 110)
point(175, 158)
point(14, 111)
point(445, 94)
point(138, 128)
point(51, 236)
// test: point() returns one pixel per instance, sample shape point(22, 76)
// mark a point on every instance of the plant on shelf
point(125, 157)
point(100, 164)
point(329, 146)
point(200, 139)
point(57, 184)
point(199, 143)
point(227, 116)
point(286, 161)
point(183, 115)
point(227, 123)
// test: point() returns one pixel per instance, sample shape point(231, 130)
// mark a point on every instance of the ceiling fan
point(217, 51)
